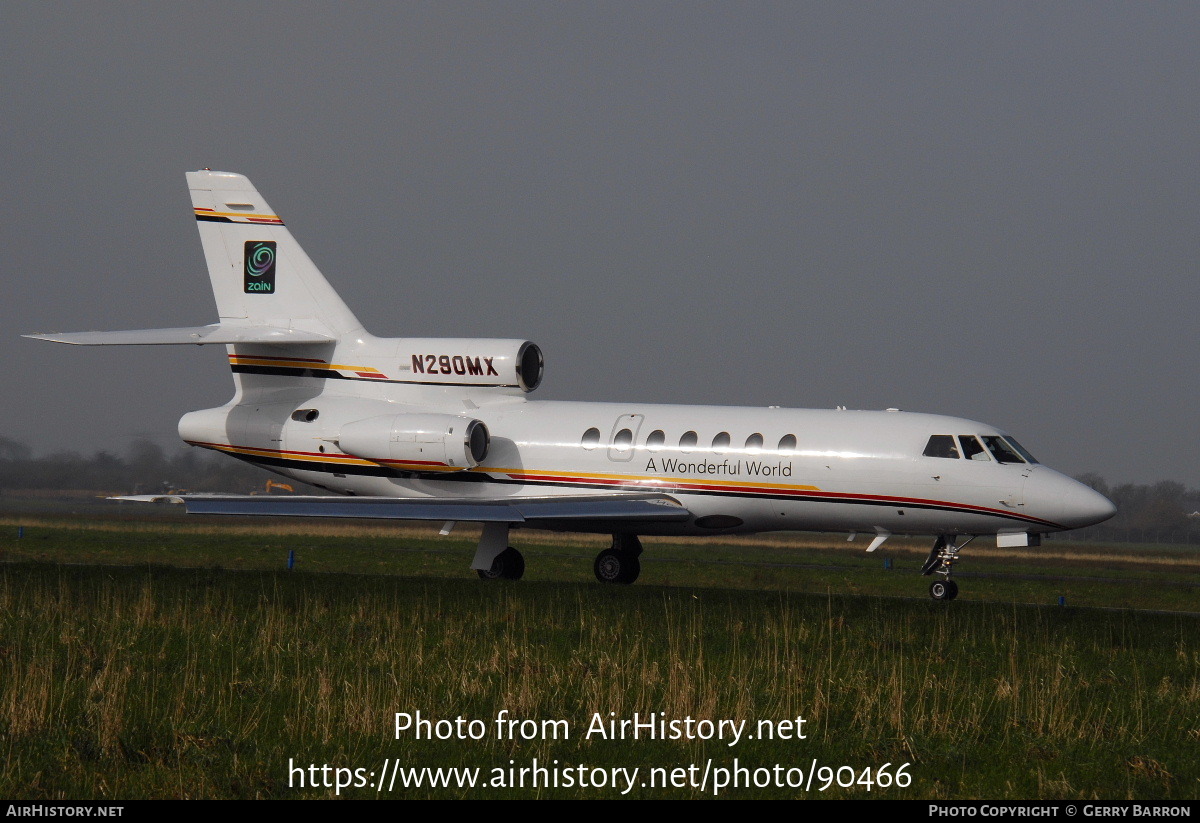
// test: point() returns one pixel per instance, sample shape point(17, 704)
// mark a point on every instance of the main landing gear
point(508, 565)
point(619, 564)
point(496, 560)
point(941, 561)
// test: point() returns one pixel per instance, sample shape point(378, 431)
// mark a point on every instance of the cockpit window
point(972, 448)
point(1021, 450)
point(941, 445)
point(1001, 450)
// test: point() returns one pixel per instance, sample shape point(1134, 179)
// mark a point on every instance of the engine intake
point(417, 442)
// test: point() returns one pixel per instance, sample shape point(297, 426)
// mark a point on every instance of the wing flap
point(557, 509)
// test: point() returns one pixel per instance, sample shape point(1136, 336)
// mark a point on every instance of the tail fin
point(260, 275)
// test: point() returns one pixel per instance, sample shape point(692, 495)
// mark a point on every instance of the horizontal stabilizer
point(216, 333)
point(560, 509)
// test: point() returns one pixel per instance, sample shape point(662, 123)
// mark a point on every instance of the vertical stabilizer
point(260, 275)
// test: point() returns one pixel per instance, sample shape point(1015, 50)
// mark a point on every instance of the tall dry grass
point(154, 682)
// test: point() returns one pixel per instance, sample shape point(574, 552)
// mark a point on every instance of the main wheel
point(617, 567)
point(943, 589)
point(508, 565)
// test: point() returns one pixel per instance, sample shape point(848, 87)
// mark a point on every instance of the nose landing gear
point(941, 561)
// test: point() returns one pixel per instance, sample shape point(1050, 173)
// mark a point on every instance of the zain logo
point(259, 268)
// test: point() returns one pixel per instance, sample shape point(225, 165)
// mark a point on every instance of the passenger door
point(623, 437)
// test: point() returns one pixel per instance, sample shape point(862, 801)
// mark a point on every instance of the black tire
point(952, 590)
point(633, 568)
point(612, 566)
point(508, 565)
point(940, 589)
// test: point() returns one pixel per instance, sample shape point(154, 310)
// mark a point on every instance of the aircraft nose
point(1084, 506)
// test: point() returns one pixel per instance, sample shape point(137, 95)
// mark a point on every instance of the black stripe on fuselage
point(292, 371)
point(480, 477)
point(324, 468)
point(216, 218)
point(333, 374)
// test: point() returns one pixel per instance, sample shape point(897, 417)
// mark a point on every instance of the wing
point(557, 512)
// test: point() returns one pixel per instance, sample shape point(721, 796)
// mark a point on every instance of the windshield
point(1021, 450)
point(1002, 448)
point(1001, 451)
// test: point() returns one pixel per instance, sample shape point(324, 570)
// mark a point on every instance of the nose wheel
point(943, 590)
point(941, 561)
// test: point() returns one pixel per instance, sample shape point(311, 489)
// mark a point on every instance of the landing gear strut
point(508, 565)
point(941, 561)
point(620, 564)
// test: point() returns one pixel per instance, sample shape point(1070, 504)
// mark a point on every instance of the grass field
point(124, 674)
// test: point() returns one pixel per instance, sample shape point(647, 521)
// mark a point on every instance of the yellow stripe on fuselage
point(314, 458)
point(345, 459)
point(644, 477)
point(338, 459)
point(246, 360)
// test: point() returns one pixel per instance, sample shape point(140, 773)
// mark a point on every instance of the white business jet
point(441, 429)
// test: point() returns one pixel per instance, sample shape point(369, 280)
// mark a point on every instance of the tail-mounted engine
point(467, 361)
point(417, 442)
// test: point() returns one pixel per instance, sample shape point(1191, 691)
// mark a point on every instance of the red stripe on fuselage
point(846, 497)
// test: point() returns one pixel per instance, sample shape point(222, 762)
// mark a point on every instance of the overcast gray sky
point(982, 209)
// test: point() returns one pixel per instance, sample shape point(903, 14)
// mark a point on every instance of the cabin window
point(972, 448)
point(622, 440)
point(1001, 451)
point(1021, 450)
point(787, 443)
point(305, 415)
point(720, 443)
point(591, 438)
point(754, 443)
point(941, 445)
point(688, 441)
point(656, 440)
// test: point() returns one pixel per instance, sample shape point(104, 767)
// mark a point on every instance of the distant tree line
point(146, 468)
point(1146, 513)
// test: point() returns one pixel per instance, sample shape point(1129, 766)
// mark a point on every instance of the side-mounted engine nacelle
point(417, 442)
point(469, 361)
